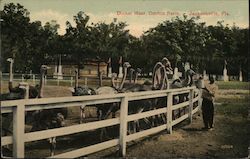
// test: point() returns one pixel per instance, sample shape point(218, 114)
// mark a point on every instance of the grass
point(234, 116)
point(233, 85)
point(234, 108)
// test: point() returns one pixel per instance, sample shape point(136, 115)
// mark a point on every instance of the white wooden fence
point(18, 107)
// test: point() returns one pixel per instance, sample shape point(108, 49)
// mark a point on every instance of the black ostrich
point(81, 91)
point(48, 118)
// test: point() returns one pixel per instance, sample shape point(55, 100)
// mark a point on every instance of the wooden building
point(90, 69)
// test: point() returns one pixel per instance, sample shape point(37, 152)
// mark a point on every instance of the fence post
point(57, 81)
point(123, 125)
point(191, 95)
point(86, 81)
point(18, 130)
point(169, 112)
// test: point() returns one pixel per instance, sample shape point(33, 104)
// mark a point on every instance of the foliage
point(182, 39)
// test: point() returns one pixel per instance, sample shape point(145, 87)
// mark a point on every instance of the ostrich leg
point(52, 142)
point(82, 113)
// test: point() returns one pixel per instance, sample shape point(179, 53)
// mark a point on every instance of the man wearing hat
point(208, 95)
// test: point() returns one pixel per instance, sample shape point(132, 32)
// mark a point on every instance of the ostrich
point(16, 92)
point(105, 111)
point(81, 91)
point(47, 118)
point(187, 82)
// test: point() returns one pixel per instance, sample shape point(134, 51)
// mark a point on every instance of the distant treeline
point(182, 39)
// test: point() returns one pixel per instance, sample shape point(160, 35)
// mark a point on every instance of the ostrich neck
point(130, 79)
point(188, 79)
point(11, 77)
point(124, 78)
point(113, 82)
point(40, 95)
point(136, 77)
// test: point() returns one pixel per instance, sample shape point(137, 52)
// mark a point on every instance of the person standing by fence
point(208, 95)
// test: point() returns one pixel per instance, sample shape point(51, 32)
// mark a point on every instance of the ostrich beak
point(72, 90)
point(192, 72)
point(45, 67)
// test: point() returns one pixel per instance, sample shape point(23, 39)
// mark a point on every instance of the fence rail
point(19, 107)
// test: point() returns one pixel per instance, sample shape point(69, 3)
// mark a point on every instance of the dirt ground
point(229, 139)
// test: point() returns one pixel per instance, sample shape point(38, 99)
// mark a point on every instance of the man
point(208, 95)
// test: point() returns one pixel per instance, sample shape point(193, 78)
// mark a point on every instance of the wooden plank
point(18, 131)
point(61, 99)
point(181, 92)
point(123, 126)
point(176, 121)
point(169, 112)
point(6, 140)
point(195, 110)
point(196, 99)
point(146, 114)
point(146, 132)
point(6, 110)
point(39, 135)
point(85, 98)
point(73, 104)
point(177, 106)
point(87, 150)
point(147, 96)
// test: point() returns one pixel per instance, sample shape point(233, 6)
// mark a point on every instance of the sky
point(140, 15)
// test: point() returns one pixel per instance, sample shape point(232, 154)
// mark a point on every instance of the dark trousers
point(207, 113)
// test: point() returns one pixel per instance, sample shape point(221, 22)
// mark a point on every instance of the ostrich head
point(132, 70)
point(138, 70)
point(126, 65)
point(44, 68)
point(190, 72)
point(10, 60)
